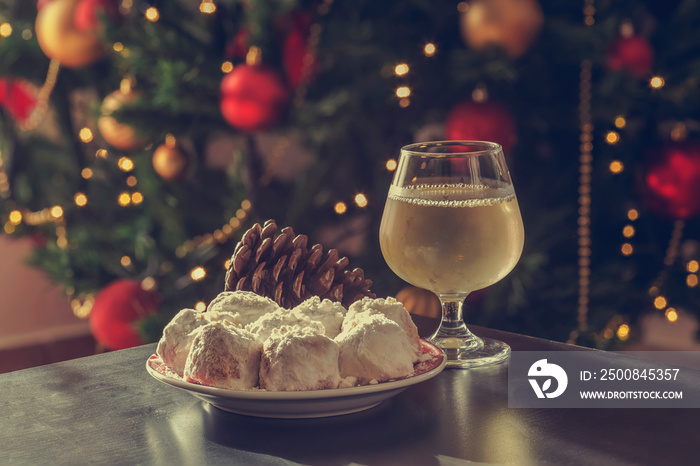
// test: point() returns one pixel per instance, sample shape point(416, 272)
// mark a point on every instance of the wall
point(33, 310)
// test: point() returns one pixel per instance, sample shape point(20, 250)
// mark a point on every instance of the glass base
point(471, 351)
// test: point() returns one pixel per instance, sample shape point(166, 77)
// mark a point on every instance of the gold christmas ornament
point(170, 161)
point(511, 25)
point(119, 135)
point(60, 40)
point(419, 301)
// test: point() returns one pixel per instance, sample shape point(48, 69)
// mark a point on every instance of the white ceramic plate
point(303, 404)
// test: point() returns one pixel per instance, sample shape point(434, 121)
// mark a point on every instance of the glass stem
point(452, 310)
point(452, 335)
point(452, 324)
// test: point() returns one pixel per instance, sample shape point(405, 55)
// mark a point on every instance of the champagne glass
point(452, 225)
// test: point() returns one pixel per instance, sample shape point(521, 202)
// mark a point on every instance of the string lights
point(679, 132)
point(52, 214)
point(612, 138)
point(340, 207)
point(660, 302)
point(152, 14)
point(657, 82)
point(85, 135)
point(5, 30)
point(401, 69)
point(80, 199)
point(220, 235)
point(671, 314)
point(403, 91)
point(691, 280)
point(628, 231)
point(226, 67)
point(42, 101)
point(82, 305)
point(361, 200)
point(121, 50)
point(4, 180)
point(207, 7)
point(125, 164)
point(55, 214)
point(584, 190)
point(200, 306)
point(198, 273)
point(124, 199)
point(623, 332)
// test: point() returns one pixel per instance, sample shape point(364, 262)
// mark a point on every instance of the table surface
point(106, 409)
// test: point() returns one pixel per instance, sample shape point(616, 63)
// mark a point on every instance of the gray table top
point(106, 409)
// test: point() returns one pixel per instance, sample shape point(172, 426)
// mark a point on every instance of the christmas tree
point(141, 139)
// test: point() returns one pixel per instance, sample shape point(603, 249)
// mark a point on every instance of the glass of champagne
point(452, 225)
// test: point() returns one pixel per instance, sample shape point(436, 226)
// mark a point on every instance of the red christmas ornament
point(38, 240)
point(238, 47)
point(117, 308)
point(87, 13)
point(253, 98)
point(476, 298)
point(40, 4)
point(299, 63)
point(632, 54)
point(18, 97)
point(481, 121)
point(671, 181)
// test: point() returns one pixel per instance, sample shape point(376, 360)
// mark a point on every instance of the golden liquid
point(451, 239)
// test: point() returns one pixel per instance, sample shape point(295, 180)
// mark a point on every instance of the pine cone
point(282, 268)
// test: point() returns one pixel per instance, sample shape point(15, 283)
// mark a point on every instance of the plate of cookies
point(247, 355)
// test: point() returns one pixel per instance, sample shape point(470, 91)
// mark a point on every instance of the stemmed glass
point(452, 225)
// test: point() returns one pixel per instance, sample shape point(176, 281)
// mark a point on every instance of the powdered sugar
point(267, 323)
point(299, 359)
point(224, 356)
point(174, 345)
point(329, 313)
point(248, 305)
point(390, 308)
point(375, 348)
point(246, 342)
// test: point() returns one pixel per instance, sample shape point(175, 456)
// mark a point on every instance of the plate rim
point(299, 395)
